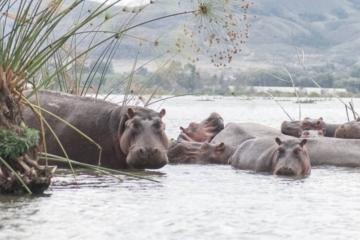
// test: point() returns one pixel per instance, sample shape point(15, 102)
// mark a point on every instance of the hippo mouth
point(140, 158)
point(184, 136)
point(286, 171)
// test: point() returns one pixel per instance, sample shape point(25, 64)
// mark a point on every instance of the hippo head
point(144, 140)
point(312, 124)
point(291, 158)
point(203, 131)
point(312, 133)
point(183, 152)
point(212, 153)
point(349, 130)
point(293, 128)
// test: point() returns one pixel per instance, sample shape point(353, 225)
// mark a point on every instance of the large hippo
point(203, 131)
point(265, 154)
point(129, 136)
point(349, 130)
point(201, 153)
point(293, 128)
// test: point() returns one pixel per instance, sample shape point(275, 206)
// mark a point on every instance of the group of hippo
point(290, 150)
point(134, 137)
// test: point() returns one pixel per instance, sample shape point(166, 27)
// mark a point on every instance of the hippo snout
point(147, 157)
point(147, 152)
point(288, 171)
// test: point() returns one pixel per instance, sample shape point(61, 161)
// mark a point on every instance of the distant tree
point(100, 67)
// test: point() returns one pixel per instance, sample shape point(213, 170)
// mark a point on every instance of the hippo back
point(234, 134)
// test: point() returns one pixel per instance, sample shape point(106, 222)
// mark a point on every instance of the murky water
point(197, 201)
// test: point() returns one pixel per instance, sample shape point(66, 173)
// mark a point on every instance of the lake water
point(197, 201)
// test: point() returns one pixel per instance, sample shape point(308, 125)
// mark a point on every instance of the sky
point(129, 3)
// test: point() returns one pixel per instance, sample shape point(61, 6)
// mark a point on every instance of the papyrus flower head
point(216, 29)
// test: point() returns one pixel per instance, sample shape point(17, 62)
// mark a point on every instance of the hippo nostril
point(285, 171)
point(142, 150)
point(155, 151)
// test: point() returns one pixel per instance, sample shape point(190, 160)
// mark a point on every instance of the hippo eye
point(281, 150)
point(297, 151)
point(135, 124)
point(158, 125)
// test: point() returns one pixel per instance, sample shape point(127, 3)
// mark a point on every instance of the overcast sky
point(129, 3)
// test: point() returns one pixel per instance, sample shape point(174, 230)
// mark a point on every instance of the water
point(197, 201)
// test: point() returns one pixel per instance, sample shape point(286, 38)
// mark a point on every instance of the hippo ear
point(300, 132)
point(323, 131)
point(278, 141)
point(204, 146)
point(182, 129)
point(303, 142)
point(130, 113)
point(192, 124)
point(220, 147)
point(321, 119)
point(162, 112)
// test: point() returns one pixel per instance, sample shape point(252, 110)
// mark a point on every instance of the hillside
point(327, 30)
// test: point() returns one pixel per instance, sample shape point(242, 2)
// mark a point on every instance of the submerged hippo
point(349, 130)
point(293, 128)
point(200, 153)
point(312, 133)
point(129, 136)
point(287, 157)
point(203, 131)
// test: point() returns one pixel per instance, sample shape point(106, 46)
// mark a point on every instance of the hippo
point(292, 128)
point(266, 154)
point(203, 131)
point(200, 153)
point(349, 130)
point(130, 136)
point(312, 133)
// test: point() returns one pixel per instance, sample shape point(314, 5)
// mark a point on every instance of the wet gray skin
point(281, 157)
point(234, 134)
point(203, 131)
